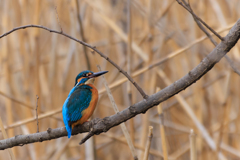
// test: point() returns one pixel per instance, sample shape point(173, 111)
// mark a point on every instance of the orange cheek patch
point(79, 79)
point(89, 74)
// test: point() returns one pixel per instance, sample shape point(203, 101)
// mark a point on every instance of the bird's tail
point(69, 130)
point(65, 120)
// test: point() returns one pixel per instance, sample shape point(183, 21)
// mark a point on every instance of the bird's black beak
point(96, 74)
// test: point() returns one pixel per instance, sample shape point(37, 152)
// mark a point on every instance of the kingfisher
point(81, 101)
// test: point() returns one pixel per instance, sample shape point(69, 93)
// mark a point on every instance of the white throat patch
point(90, 81)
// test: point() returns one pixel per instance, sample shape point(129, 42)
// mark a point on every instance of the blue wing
point(78, 100)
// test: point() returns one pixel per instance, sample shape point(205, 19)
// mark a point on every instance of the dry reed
point(156, 42)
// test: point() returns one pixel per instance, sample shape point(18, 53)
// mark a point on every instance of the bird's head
point(85, 76)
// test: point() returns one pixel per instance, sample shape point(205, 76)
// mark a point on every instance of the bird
point(81, 101)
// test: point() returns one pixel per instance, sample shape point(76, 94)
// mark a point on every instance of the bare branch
point(37, 113)
point(144, 95)
point(195, 16)
point(230, 62)
point(103, 125)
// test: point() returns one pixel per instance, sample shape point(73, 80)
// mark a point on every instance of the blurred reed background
point(36, 62)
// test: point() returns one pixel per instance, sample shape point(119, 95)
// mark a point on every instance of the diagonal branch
point(195, 16)
point(230, 62)
point(187, 5)
point(98, 126)
point(144, 95)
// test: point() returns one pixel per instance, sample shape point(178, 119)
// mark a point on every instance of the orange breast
point(87, 113)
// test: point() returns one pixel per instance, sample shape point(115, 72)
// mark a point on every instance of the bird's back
point(79, 106)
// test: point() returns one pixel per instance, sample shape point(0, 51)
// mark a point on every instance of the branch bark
point(98, 126)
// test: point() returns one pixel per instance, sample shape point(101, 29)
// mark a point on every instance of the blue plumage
point(66, 118)
point(78, 100)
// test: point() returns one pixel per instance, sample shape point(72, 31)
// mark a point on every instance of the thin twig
point(37, 113)
point(230, 62)
point(89, 135)
point(212, 30)
point(58, 19)
point(144, 95)
point(150, 135)
point(199, 24)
